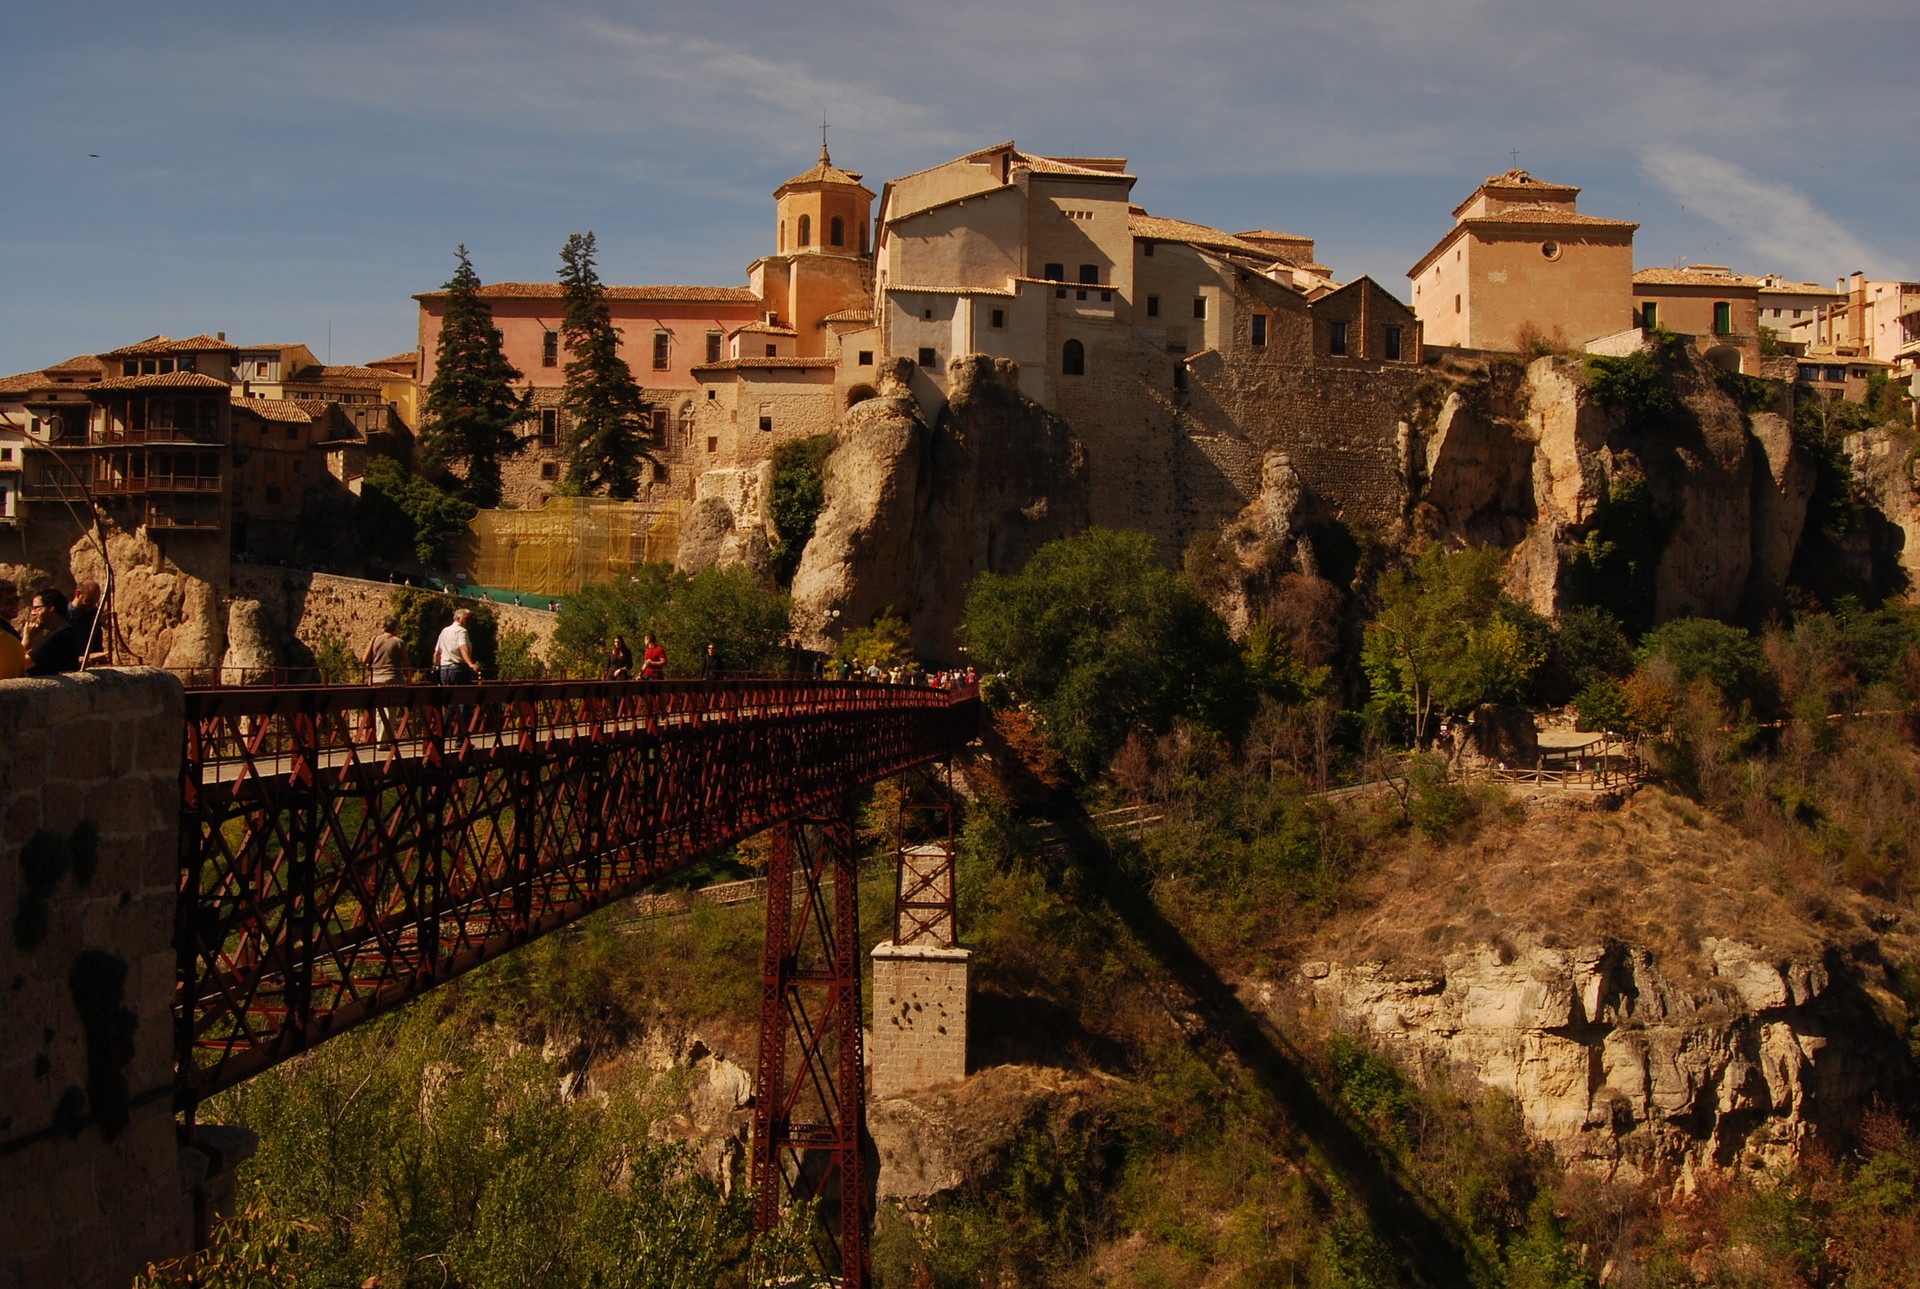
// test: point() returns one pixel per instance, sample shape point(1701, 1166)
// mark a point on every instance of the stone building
point(1719, 308)
point(1520, 255)
point(1867, 318)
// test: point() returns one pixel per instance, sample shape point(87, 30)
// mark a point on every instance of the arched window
point(837, 232)
point(1073, 359)
point(806, 230)
point(783, 236)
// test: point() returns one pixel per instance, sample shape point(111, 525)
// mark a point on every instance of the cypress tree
point(472, 406)
point(607, 436)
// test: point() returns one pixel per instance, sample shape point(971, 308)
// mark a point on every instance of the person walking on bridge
point(710, 661)
point(653, 660)
point(386, 661)
point(453, 652)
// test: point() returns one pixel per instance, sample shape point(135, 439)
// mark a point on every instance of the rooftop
point(153, 345)
point(551, 291)
point(295, 411)
point(1709, 275)
point(162, 380)
point(823, 172)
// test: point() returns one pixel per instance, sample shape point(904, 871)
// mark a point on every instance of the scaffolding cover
point(571, 542)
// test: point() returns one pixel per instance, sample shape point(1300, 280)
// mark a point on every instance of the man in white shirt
point(453, 652)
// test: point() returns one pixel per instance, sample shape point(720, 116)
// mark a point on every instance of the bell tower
point(822, 262)
point(825, 211)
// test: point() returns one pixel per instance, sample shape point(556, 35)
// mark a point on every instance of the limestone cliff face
point(728, 524)
point(913, 512)
point(168, 617)
point(1623, 1067)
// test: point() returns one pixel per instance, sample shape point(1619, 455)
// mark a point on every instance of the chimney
point(219, 335)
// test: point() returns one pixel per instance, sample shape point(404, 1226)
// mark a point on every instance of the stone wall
point(919, 1036)
point(91, 1179)
point(309, 606)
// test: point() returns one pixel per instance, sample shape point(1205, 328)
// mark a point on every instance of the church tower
point(825, 211)
point(822, 263)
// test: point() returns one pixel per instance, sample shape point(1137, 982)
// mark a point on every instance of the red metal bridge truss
point(346, 848)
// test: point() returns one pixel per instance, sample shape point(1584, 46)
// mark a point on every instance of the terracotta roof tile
point(343, 376)
point(1546, 215)
point(961, 290)
point(824, 171)
point(1179, 230)
point(856, 314)
point(551, 291)
point(163, 380)
point(1691, 277)
point(80, 366)
point(293, 411)
point(409, 357)
point(1060, 166)
point(737, 364)
point(199, 344)
point(767, 328)
point(23, 383)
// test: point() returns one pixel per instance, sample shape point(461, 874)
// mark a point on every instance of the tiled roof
point(959, 290)
point(341, 375)
point(1179, 230)
point(1268, 234)
point(293, 411)
point(1060, 166)
point(1692, 277)
point(23, 383)
point(735, 364)
point(849, 315)
point(85, 364)
point(1521, 179)
point(199, 344)
point(1799, 288)
point(824, 171)
point(163, 380)
point(410, 358)
point(767, 328)
point(1546, 215)
point(551, 291)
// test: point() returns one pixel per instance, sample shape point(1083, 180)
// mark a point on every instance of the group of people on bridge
point(60, 635)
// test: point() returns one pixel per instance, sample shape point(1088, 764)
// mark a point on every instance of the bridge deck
point(347, 848)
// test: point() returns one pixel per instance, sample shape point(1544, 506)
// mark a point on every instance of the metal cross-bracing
point(809, 1095)
point(344, 849)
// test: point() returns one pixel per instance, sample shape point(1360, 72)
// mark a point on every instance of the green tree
point(403, 517)
point(1103, 640)
point(887, 641)
point(799, 490)
point(1701, 647)
point(1614, 565)
point(1447, 638)
point(607, 439)
point(472, 406)
point(728, 606)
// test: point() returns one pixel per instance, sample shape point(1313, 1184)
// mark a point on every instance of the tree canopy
point(403, 517)
point(607, 439)
point(1102, 640)
point(1447, 638)
point(726, 605)
point(471, 406)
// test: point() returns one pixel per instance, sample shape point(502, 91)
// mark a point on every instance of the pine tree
point(607, 437)
point(472, 406)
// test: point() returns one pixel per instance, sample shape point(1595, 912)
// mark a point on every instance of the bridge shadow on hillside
point(1432, 1248)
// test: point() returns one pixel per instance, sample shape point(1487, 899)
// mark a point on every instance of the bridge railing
point(344, 848)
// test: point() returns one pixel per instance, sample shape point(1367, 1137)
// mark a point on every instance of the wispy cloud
point(1780, 224)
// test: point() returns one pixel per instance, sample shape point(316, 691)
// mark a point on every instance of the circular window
point(1550, 249)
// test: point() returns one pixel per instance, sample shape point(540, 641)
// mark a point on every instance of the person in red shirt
point(653, 660)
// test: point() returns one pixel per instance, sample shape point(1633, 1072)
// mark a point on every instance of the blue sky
point(269, 170)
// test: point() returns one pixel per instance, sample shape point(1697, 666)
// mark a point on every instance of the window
point(1836, 374)
point(926, 315)
point(1337, 338)
point(659, 473)
point(1090, 274)
point(549, 470)
point(1722, 318)
point(926, 357)
point(661, 341)
point(273, 495)
point(866, 358)
point(1147, 249)
point(713, 346)
point(783, 236)
point(1456, 304)
point(1180, 377)
point(1650, 315)
point(293, 432)
point(549, 427)
point(131, 367)
point(806, 230)
point(1393, 344)
point(1199, 306)
point(550, 349)
point(1259, 329)
point(837, 232)
point(766, 425)
point(1073, 359)
point(1550, 249)
point(1153, 306)
point(713, 393)
point(686, 421)
point(997, 319)
point(1054, 272)
point(713, 444)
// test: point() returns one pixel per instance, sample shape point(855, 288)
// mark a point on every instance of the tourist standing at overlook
point(653, 660)
point(13, 654)
point(453, 652)
point(619, 660)
point(56, 646)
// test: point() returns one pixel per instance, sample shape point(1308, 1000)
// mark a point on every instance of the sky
point(286, 173)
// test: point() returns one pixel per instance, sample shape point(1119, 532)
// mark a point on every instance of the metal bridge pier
point(810, 1099)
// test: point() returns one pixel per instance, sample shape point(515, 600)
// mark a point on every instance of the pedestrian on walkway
point(653, 660)
point(710, 662)
point(386, 661)
point(453, 652)
point(619, 660)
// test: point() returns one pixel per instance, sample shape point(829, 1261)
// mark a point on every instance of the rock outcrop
point(1625, 1068)
point(251, 658)
point(728, 524)
point(167, 616)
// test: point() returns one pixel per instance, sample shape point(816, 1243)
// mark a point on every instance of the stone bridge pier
point(94, 1182)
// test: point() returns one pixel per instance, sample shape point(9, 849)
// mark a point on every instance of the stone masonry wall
point(91, 1183)
point(919, 1018)
point(311, 605)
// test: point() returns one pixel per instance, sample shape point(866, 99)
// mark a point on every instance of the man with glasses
point(56, 645)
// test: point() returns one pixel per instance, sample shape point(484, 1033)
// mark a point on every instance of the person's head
point(9, 598)
point(48, 602)
point(87, 594)
point(619, 642)
point(650, 637)
point(390, 625)
point(712, 647)
point(462, 616)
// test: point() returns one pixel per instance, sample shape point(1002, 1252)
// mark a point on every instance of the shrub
point(1696, 648)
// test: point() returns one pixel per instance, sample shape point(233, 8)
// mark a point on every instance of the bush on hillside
point(728, 606)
